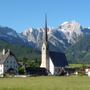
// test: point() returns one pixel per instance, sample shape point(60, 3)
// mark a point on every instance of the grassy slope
point(80, 51)
point(46, 83)
point(21, 51)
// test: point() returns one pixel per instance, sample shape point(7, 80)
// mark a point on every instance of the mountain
point(69, 37)
point(80, 51)
point(86, 31)
point(11, 36)
point(59, 38)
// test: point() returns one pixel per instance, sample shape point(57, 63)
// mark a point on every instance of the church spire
point(45, 34)
point(45, 48)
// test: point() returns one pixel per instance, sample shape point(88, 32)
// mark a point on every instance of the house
point(87, 70)
point(54, 62)
point(8, 63)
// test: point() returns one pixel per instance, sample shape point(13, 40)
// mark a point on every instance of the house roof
point(58, 59)
point(4, 57)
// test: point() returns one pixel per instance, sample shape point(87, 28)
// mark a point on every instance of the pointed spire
point(45, 34)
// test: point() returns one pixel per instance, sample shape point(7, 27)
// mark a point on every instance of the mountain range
point(63, 38)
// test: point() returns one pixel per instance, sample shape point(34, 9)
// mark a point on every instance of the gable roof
point(58, 59)
point(4, 57)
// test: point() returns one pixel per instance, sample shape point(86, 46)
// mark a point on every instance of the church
point(54, 62)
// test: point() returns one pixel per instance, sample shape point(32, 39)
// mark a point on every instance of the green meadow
point(46, 83)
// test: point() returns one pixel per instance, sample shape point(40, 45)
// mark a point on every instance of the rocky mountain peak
point(70, 26)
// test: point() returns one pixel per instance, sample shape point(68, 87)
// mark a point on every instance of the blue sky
point(22, 14)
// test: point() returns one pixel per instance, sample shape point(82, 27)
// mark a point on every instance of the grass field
point(46, 83)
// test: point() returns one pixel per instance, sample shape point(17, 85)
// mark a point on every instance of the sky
point(23, 14)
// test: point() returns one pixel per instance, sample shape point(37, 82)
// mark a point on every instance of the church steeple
point(45, 34)
point(45, 48)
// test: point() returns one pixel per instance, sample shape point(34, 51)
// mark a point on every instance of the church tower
point(45, 49)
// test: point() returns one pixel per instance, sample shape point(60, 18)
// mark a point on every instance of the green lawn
point(46, 83)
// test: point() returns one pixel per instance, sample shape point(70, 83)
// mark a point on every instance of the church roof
point(58, 59)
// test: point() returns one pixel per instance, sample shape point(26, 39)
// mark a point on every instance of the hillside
point(20, 51)
point(80, 52)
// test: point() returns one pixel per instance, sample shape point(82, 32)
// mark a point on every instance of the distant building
point(54, 62)
point(8, 63)
point(87, 70)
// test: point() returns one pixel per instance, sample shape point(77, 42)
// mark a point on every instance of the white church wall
point(51, 66)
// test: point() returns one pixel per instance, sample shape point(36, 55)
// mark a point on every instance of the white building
point(54, 62)
point(87, 70)
point(8, 63)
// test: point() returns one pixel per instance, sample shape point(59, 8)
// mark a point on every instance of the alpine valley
point(69, 37)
